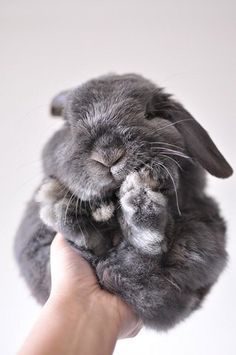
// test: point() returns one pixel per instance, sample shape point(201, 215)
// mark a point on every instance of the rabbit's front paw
point(138, 198)
point(65, 213)
point(53, 198)
point(144, 212)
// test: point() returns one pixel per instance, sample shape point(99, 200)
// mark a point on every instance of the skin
point(72, 320)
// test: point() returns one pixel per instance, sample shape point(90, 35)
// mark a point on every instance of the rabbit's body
point(124, 185)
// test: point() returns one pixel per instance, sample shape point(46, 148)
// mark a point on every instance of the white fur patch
point(157, 197)
point(49, 191)
point(148, 241)
point(126, 206)
point(103, 213)
point(132, 181)
point(47, 216)
point(196, 257)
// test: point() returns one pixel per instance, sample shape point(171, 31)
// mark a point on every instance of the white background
point(46, 46)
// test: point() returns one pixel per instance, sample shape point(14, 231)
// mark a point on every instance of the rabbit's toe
point(138, 179)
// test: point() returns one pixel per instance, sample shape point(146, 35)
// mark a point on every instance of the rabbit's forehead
point(117, 103)
point(113, 98)
point(121, 112)
point(107, 110)
point(113, 110)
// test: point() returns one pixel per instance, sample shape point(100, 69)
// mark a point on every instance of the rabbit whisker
point(67, 206)
point(166, 156)
point(173, 124)
point(164, 143)
point(142, 162)
point(174, 152)
point(174, 185)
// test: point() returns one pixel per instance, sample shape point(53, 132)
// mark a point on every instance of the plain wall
point(46, 46)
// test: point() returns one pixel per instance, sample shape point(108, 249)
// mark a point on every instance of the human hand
point(75, 285)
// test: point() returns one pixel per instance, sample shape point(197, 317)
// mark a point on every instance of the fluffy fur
point(124, 183)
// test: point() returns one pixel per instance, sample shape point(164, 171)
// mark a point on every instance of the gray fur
point(124, 183)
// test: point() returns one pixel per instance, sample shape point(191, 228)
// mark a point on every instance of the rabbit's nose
point(110, 158)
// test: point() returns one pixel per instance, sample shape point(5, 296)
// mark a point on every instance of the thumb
point(67, 265)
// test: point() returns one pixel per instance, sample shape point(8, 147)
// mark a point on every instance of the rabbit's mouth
point(105, 175)
point(120, 173)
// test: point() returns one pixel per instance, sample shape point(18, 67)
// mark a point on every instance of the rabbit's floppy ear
point(58, 103)
point(197, 140)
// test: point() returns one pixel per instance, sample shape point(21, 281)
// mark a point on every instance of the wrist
point(92, 311)
point(87, 323)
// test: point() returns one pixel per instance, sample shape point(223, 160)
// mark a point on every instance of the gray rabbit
point(124, 183)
